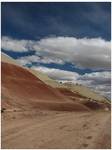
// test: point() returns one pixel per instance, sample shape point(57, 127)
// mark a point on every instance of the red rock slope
point(21, 89)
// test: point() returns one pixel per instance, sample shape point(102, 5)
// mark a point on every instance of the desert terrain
point(38, 112)
point(55, 129)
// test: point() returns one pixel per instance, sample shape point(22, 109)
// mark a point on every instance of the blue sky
point(38, 20)
point(71, 37)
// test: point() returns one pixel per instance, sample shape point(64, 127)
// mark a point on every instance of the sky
point(67, 41)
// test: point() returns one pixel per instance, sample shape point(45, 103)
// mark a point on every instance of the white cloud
point(40, 59)
point(86, 53)
point(10, 44)
point(97, 77)
point(58, 74)
point(99, 81)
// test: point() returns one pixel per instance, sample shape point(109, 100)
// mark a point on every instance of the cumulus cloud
point(97, 77)
point(99, 81)
point(57, 74)
point(40, 59)
point(15, 45)
point(88, 53)
point(91, 53)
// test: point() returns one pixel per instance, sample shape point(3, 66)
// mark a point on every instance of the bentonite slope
point(22, 89)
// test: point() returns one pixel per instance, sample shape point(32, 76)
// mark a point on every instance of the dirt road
point(56, 130)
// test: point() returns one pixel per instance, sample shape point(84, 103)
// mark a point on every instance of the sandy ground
point(51, 129)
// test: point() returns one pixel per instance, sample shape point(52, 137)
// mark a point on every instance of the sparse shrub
point(2, 110)
point(13, 117)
